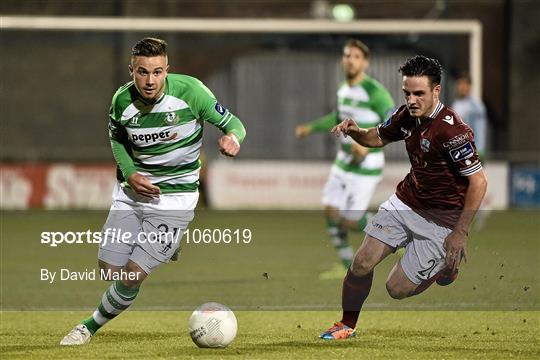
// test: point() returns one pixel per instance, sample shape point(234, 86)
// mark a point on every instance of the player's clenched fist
point(346, 127)
point(229, 145)
point(302, 131)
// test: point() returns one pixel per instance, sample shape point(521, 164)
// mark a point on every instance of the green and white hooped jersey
point(368, 103)
point(163, 140)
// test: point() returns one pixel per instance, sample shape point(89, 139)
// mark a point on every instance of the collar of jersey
point(437, 110)
point(431, 116)
point(364, 78)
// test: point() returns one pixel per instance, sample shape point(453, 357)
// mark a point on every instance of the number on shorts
point(428, 271)
point(168, 245)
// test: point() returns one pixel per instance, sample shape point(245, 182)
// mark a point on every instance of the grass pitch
point(272, 284)
point(282, 335)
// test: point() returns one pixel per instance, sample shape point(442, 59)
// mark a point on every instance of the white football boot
point(80, 335)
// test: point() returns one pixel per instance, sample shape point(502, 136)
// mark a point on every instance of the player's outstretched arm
point(235, 132)
point(365, 137)
point(323, 124)
point(456, 242)
point(210, 110)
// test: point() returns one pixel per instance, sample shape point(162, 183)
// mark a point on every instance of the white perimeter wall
point(234, 184)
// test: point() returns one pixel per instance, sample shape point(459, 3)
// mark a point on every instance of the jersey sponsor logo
point(463, 152)
point(153, 137)
point(424, 145)
point(456, 140)
point(449, 119)
point(220, 109)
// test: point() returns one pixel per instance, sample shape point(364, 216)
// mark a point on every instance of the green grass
point(492, 311)
point(282, 335)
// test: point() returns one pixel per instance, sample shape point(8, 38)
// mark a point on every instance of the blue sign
point(526, 186)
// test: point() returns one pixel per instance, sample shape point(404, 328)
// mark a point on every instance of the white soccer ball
point(212, 325)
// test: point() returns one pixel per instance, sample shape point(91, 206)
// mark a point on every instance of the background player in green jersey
point(356, 170)
point(155, 128)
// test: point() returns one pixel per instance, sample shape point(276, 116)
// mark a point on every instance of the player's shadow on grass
point(134, 336)
point(308, 343)
point(368, 339)
point(199, 282)
point(7, 350)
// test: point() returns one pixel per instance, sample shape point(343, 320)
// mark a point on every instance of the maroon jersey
point(442, 154)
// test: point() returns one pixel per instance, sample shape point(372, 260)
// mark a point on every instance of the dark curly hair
point(421, 65)
point(149, 47)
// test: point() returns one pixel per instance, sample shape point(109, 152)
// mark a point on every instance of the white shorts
point(396, 225)
point(156, 227)
point(349, 192)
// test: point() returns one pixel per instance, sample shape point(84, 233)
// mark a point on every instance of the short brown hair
point(359, 45)
point(149, 47)
point(464, 76)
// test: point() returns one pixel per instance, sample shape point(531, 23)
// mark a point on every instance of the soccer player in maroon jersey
point(433, 207)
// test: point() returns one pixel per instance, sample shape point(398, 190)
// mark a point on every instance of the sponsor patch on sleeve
point(463, 152)
point(387, 122)
point(220, 109)
point(456, 140)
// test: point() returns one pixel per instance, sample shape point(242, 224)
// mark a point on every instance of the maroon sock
point(355, 291)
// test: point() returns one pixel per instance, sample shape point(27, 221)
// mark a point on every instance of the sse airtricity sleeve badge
point(220, 109)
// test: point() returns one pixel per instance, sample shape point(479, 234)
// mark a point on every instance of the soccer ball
point(212, 325)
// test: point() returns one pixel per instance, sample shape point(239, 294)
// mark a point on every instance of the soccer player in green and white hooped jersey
point(156, 124)
point(356, 170)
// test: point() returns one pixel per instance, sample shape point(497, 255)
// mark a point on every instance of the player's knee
point(107, 271)
point(131, 284)
point(396, 292)
point(133, 275)
point(361, 265)
point(102, 265)
point(331, 213)
point(133, 280)
point(349, 225)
